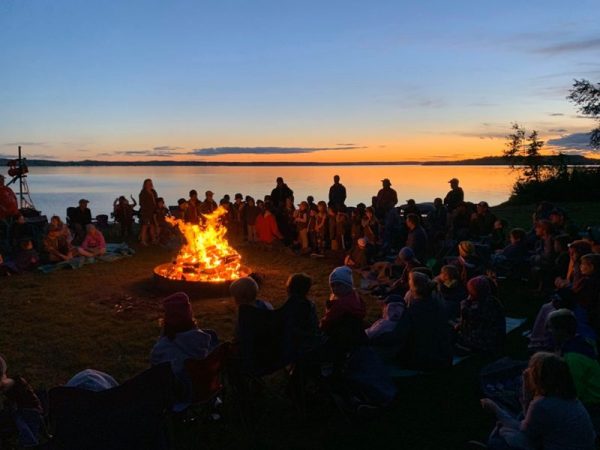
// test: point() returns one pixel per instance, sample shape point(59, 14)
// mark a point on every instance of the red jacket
point(8, 203)
point(340, 307)
point(266, 228)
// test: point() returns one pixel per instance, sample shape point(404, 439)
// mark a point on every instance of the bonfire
point(206, 256)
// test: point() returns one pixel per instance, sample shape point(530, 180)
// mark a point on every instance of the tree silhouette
point(586, 95)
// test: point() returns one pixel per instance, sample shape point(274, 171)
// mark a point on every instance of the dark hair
point(563, 320)
point(160, 199)
point(452, 271)
point(193, 193)
point(550, 376)
point(424, 270)
point(413, 218)
point(299, 284)
point(518, 234)
point(181, 201)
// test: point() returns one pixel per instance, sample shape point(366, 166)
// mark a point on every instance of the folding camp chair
point(265, 346)
point(128, 417)
point(205, 374)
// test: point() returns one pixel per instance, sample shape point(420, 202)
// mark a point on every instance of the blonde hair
point(244, 290)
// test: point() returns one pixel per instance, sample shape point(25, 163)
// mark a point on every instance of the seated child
point(554, 417)
point(181, 338)
point(26, 258)
point(357, 257)
point(482, 325)
point(579, 353)
point(93, 244)
point(344, 311)
point(304, 319)
point(56, 246)
point(451, 289)
point(244, 292)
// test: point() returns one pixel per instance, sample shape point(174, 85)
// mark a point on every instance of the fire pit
point(206, 264)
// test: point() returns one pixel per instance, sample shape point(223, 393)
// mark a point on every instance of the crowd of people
point(436, 269)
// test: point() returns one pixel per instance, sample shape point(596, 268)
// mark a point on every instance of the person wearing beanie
point(181, 338)
point(345, 310)
point(482, 325)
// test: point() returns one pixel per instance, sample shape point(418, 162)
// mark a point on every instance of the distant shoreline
point(574, 160)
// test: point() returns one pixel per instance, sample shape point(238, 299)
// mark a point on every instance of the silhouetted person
point(337, 193)
point(280, 193)
point(455, 196)
point(79, 218)
point(387, 197)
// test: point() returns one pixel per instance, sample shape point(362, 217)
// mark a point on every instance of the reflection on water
point(55, 188)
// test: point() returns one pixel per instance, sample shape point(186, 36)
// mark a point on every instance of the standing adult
point(337, 193)
point(387, 198)
point(79, 218)
point(280, 193)
point(455, 196)
point(148, 197)
point(9, 206)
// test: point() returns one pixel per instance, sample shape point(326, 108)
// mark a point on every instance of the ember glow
point(206, 256)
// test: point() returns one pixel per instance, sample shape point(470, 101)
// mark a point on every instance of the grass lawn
point(104, 316)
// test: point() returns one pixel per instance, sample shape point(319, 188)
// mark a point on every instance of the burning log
point(206, 255)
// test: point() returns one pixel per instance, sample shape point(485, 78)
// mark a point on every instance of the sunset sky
point(278, 80)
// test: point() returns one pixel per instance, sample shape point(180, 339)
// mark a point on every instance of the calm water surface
point(55, 188)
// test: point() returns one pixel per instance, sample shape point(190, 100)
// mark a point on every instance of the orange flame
point(206, 254)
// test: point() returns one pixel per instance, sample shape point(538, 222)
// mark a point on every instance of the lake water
point(53, 189)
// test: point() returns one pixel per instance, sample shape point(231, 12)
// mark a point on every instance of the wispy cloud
point(557, 130)
point(556, 114)
point(163, 151)
point(574, 143)
point(570, 46)
point(212, 151)
point(26, 144)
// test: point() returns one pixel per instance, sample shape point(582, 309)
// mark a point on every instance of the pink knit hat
point(178, 310)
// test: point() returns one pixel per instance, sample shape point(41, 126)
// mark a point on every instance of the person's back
point(554, 423)
point(427, 344)
point(303, 322)
point(482, 324)
point(580, 356)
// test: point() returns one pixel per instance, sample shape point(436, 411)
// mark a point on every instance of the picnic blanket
point(114, 252)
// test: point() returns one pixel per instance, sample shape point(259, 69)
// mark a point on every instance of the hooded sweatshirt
point(392, 312)
point(191, 344)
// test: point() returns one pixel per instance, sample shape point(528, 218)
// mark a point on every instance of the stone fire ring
point(195, 289)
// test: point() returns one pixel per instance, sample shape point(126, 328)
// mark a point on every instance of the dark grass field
point(104, 316)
